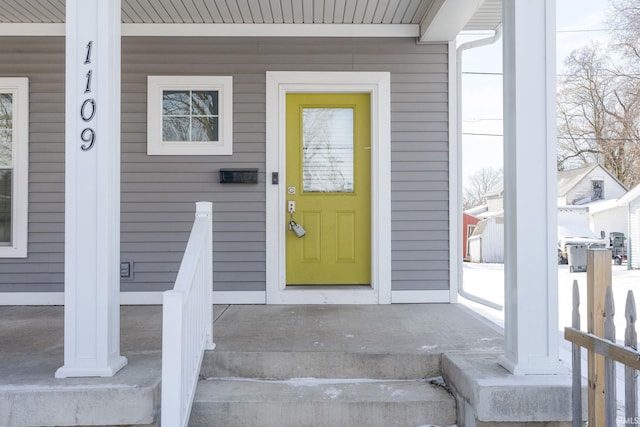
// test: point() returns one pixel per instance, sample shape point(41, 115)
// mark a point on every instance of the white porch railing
point(187, 322)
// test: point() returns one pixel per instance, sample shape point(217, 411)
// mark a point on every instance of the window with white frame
point(14, 164)
point(189, 115)
point(597, 188)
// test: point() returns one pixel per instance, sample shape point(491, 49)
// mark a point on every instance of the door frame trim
point(378, 85)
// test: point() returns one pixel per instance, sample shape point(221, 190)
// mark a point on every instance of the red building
point(468, 225)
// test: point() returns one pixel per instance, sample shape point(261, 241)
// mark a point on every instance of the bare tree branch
point(478, 185)
point(599, 101)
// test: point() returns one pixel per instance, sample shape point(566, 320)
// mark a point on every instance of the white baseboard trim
point(57, 298)
point(420, 297)
point(239, 297)
point(324, 295)
point(128, 298)
point(141, 298)
point(32, 298)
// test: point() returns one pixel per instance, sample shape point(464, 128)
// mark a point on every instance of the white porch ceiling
point(423, 13)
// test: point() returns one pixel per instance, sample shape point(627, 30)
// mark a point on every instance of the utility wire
point(589, 30)
point(558, 137)
point(482, 73)
point(482, 134)
point(591, 138)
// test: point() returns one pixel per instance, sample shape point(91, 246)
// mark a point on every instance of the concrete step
point(320, 364)
point(131, 397)
point(321, 402)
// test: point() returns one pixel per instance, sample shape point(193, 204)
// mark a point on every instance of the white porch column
point(530, 186)
point(92, 190)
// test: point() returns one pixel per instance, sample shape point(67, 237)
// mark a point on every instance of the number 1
point(88, 58)
point(88, 87)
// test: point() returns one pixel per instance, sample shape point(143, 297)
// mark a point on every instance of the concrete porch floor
point(31, 349)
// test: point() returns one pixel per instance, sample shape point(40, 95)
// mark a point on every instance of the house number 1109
point(88, 108)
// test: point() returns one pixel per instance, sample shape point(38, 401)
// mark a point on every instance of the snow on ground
point(487, 282)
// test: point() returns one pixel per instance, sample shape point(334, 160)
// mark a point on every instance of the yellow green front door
point(328, 189)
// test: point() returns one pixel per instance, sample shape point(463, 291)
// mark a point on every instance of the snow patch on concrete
point(332, 393)
point(313, 381)
point(397, 393)
point(428, 347)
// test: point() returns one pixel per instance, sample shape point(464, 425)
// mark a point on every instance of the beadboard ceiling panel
point(32, 11)
point(369, 12)
point(245, 11)
point(487, 17)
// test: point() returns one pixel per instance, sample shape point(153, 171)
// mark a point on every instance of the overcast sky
point(577, 22)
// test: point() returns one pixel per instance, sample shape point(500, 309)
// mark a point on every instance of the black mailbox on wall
point(239, 176)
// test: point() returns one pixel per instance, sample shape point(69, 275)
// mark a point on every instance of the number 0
point(83, 112)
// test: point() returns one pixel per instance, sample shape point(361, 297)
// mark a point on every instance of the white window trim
point(155, 86)
point(19, 88)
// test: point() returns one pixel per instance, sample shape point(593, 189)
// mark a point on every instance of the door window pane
point(327, 142)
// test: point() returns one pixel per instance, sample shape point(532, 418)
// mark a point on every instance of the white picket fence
point(187, 322)
point(602, 350)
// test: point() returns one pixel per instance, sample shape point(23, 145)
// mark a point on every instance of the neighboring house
point(486, 244)
point(586, 185)
point(630, 202)
point(586, 207)
point(469, 223)
point(495, 197)
point(121, 114)
point(578, 186)
point(573, 221)
point(586, 203)
point(608, 216)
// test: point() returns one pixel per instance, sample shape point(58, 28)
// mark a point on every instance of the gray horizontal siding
point(42, 62)
point(159, 192)
point(420, 168)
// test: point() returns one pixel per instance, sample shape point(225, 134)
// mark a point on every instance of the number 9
point(88, 135)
